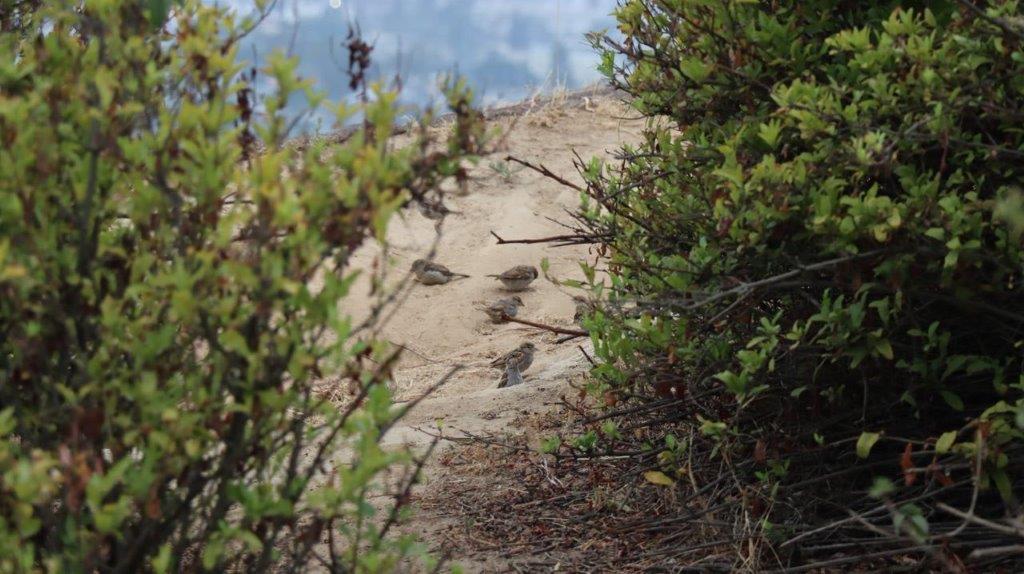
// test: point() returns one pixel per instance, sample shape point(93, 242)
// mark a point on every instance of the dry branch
point(553, 329)
point(571, 239)
point(543, 170)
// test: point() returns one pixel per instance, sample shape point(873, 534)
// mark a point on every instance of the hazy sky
point(505, 48)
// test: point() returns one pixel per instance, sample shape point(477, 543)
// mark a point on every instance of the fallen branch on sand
point(573, 332)
point(541, 169)
point(571, 239)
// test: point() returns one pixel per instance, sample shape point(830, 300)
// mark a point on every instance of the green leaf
point(953, 400)
point(881, 488)
point(1003, 485)
point(251, 540)
point(550, 445)
point(769, 132)
point(695, 69)
point(1000, 407)
point(866, 441)
point(7, 421)
point(945, 442)
point(157, 11)
point(234, 341)
point(162, 561)
point(658, 477)
point(212, 552)
point(884, 348)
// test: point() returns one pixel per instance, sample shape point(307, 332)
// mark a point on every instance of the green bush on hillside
point(816, 252)
point(169, 300)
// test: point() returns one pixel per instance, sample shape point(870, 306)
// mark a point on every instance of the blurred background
point(507, 49)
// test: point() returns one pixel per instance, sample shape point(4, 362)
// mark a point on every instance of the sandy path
point(442, 325)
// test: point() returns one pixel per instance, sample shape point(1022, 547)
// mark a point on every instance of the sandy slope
point(442, 326)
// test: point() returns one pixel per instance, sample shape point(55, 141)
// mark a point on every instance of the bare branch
point(571, 239)
point(541, 169)
point(559, 330)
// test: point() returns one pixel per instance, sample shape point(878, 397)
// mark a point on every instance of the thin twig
point(997, 551)
point(559, 330)
point(541, 169)
point(568, 239)
point(586, 355)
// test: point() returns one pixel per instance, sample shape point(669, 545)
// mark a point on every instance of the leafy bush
point(816, 258)
point(161, 342)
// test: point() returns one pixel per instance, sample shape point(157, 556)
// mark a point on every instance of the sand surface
point(442, 326)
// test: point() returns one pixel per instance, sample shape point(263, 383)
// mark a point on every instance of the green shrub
point(817, 252)
point(161, 342)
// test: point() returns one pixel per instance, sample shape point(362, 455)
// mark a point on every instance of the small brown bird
point(430, 273)
point(584, 307)
point(514, 363)
point(502, 308)
point(518, 278)
point(435, 211)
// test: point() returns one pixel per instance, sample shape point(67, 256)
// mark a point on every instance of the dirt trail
point(441, 325)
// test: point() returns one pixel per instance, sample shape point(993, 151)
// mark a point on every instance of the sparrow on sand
point(430, 273)
point(584, 307)
point(514, 363)
point(503, 308)
point(518, 278)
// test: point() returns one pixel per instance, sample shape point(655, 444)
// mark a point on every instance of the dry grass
point(507, 504)
point(506, 507)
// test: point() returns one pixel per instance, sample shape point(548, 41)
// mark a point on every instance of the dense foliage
point(162, 337)
point(816, 262)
